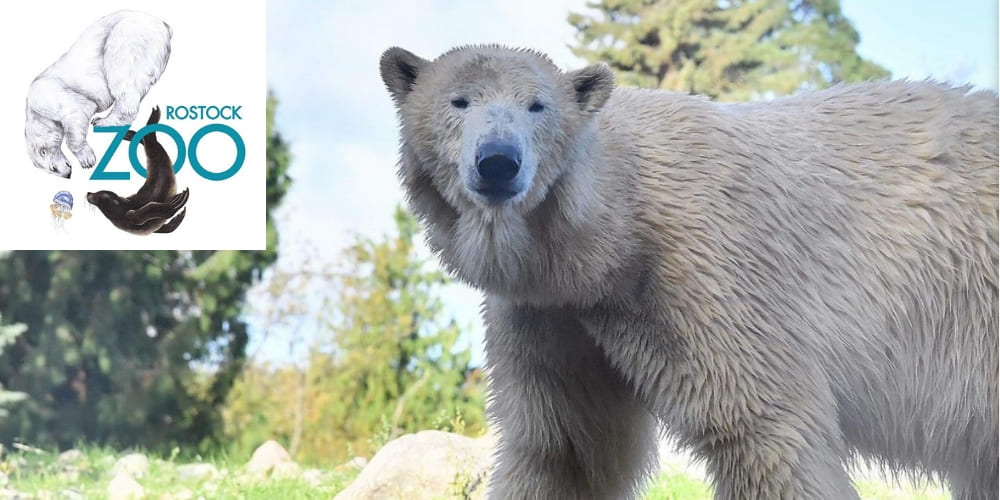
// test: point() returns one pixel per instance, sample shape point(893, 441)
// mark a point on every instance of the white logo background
point(216, 59)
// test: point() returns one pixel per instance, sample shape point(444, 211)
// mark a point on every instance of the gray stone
point(71, 456)
point(266, 456)
point(197, 472)
point(124, 487)
point(70, 494)
point(428, 464)
point(135, 464)
point(314, 477)
point(12, 494)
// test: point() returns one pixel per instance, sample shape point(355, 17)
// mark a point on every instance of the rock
point(124, 487)
point(197, 472)
point(266, 456)
point(428, 464)
point(286, 470)
point(135, 464)
point(70, 494)
point(11, 494)
point(71, 456)
point(313, 477)
point(70, 463)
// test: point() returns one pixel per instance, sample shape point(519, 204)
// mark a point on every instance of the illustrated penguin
point(156, 207)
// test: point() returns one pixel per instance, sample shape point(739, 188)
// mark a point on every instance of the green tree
point(8, 334)
point(731, 50)
point(384, 362)
point(130, 348)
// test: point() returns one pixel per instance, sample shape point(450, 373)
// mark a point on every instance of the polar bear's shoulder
point(132, 18)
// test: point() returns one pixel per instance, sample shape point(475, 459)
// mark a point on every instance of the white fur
point(787, 286)
point(112, 65)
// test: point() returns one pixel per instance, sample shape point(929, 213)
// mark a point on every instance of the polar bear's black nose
point(498, 162)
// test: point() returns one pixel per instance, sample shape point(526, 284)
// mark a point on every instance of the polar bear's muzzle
point(498, 163)
point(53, 166)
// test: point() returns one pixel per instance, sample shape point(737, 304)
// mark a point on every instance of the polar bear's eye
point(460, 103)
point(536, 107)
point(42, 152)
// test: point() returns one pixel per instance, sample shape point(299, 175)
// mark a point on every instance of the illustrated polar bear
point(112, 65)
point(783, 285)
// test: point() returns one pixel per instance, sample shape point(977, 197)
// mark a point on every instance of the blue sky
point(322, 62)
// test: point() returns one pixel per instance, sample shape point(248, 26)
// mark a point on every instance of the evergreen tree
point(8, 334)
point(731, 50)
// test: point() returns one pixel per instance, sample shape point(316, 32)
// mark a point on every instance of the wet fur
point(156, 207)
point(786, 285)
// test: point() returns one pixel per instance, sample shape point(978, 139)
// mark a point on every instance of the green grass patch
point(671, 485)
point(39, 473)
point(677, 486)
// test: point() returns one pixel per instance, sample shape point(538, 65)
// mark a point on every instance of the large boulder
point(428, 464)
point(266, 457)
point(124, 487)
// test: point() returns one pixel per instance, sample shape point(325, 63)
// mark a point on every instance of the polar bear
point(112, 65)
point(785, 286)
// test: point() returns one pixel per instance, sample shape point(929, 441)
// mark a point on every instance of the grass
point(679, 486)
point(41, 474)
point(674, 485)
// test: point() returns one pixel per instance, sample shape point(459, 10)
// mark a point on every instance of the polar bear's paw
point(111, 120)
point(86, 157)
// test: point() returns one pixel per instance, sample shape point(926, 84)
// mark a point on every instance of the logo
point(188, 150)
point(63, 100)
point(61, 208)
point(150, 118)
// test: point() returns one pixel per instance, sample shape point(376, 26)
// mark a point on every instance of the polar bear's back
point(132, 20)
point(135, 52)
point(122, 50)
point(859, 224)
point(138, 28)
point(916, 134)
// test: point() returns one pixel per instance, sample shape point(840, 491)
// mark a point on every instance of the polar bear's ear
point(400, 68)
point(592, 86)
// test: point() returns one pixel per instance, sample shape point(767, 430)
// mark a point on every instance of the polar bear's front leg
point(75, 127)
point(123, 112)
point(570, 425)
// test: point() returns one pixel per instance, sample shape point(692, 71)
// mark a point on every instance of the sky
point(322, 63)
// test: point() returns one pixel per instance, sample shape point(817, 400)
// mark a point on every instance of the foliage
point(731, 50)
point(8, 334)
point(130, 347)
point(382, 362)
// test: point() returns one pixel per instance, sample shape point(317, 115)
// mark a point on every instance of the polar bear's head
point(43, 138)
point(493, 128)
